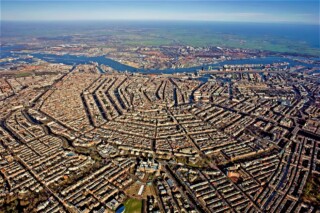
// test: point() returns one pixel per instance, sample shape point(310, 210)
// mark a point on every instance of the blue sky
point(272, 11)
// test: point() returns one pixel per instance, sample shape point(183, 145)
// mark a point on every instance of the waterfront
point(72, 59)
point(80, 59)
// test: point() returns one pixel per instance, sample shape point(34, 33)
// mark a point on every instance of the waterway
point(74, 60)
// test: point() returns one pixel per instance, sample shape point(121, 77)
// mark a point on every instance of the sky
point(259, 11)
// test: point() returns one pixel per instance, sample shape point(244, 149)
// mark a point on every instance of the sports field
point(133, 206)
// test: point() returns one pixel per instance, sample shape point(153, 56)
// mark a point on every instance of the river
point(74, 59)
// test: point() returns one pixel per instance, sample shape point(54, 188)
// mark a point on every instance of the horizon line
point(160, 20)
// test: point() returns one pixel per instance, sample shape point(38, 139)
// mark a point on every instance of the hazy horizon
point(158, 21)
point(254, 11)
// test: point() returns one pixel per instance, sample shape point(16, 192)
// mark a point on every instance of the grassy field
point(157, 37)
point(133, 206)
point(262, 37)
point(270, 44)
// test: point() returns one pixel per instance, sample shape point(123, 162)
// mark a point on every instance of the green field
point(133, 206)
point(201, 39)
point(200, 34)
